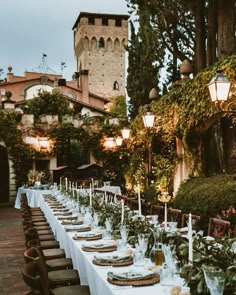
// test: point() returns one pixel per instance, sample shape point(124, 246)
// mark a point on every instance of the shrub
point(207, 196)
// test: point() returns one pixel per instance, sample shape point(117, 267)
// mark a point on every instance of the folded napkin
point(78, 229)
point(131, 276)
point(113, 258)
point(98, 246)
point(66, 222)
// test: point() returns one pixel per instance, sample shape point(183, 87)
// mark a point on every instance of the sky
point(37, 34)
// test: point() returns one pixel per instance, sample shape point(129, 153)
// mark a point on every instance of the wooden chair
point(195, 220)
point(218, 227)
point(157, 210)
point(50, 252)
point(31, 278)
point(52, 264)
point(39, 284)
point(57, 278)
point(44, 245)
point(32, 233)
point(174, 215)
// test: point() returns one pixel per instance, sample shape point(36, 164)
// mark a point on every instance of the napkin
point(76, 228)
point(98, 246)
point(112, 258)
point(131, 276)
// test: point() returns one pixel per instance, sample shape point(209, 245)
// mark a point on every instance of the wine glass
point(215, 280)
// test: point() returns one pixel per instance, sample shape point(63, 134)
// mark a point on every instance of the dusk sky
point(31, 28)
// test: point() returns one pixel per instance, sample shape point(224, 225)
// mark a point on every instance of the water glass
point(173, 226)
point(121, 245)
point(138, 258)
point(106, 235)
point(215, 280)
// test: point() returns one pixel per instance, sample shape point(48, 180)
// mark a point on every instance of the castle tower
point(99, 41)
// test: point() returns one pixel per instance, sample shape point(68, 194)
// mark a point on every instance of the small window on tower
point(118, 22)
point(91, 21)
point(116, 86)
point(101, 43)
point(105, 22)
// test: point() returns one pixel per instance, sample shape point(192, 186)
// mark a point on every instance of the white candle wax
point(122, 211)
point(139, 201)
point(165, 217)
point(90, 195)
point(105, 196)
point(66, 181)
point(190, 239)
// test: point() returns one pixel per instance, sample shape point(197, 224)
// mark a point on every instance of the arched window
point(115, 85)
point(86, 43)
point(101, 43)
point(94, 43)
point(109, 44)
point(117, 44)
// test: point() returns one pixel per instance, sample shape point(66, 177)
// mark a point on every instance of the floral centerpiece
point(229, 215)
point(34, 177)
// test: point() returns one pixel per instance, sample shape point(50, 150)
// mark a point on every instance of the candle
point(165, 217)
point(90, 195)
point(66, 181)
point(122, 211)
point(105, 197)
point(190, 239)
point(60, 183)
point(139, 201)
point(73, 190)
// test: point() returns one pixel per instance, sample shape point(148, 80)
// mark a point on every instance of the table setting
point(116, 241)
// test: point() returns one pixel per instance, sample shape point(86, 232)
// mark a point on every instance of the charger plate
point(138, 283)
point(65, 222)
point(67, 218)
point(88, 238)
point(124, 263)
point(101, 250)
point(84, 229)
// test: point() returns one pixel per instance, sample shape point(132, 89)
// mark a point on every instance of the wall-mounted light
point(125, 133)
point(219, 87)
point(109, 143)
point(118, 140)
point(148, 120)
point(43, 143)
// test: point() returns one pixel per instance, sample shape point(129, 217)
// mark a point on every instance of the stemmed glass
point(215, 280)
point(124, 232)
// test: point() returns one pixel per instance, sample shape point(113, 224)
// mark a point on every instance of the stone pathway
point(12, 247)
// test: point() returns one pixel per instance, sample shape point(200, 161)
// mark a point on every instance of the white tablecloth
point(90, 274)
point(33, 196)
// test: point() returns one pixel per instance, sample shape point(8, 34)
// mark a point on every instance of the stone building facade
point(99, 41)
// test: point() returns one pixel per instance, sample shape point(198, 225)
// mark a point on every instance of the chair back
point(157, 210)
point(195, 219)
point(174, 215)
point(218, 227)
point(30, 254)
point(30, 276)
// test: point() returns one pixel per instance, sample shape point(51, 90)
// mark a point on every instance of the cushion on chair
point(71, 290)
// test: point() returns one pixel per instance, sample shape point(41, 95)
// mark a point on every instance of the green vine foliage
point(47, 103)
point(19, 152)
point(183, 113)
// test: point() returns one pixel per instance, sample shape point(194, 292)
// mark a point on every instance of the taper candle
point(190, 239)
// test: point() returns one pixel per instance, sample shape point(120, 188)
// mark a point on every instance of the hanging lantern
point(219, 87)
point(148, 120)
point(109, 143)
point(43, 143)
point(125, 133)
point(119, 140)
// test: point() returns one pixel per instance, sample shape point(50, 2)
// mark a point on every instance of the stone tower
point(99, 41)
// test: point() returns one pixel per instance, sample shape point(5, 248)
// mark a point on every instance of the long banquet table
point(33, 196)
point(91, 274)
